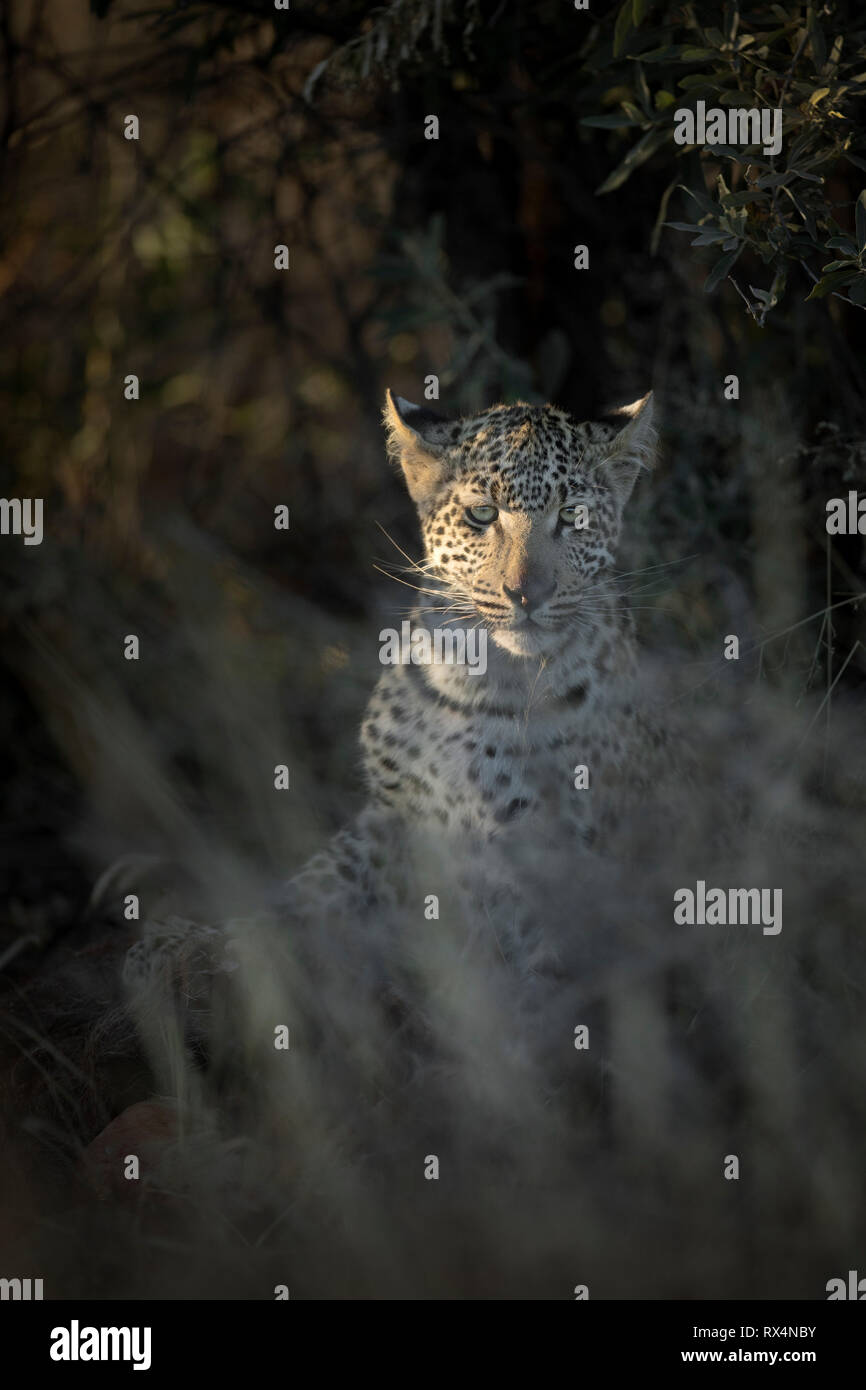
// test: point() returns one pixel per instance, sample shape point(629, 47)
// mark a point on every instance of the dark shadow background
point(409, 257)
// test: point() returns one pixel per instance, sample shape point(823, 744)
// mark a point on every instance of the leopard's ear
point(418, 440)
point(633, 448)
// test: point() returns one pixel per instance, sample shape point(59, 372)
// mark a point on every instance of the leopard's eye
point(483, 515)
point(576, 515)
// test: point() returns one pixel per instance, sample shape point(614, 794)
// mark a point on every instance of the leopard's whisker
point(413, 563)
point(648, 569)
point(437, 593)
point(459, 616)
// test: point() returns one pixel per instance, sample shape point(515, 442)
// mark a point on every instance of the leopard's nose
point(530, 592)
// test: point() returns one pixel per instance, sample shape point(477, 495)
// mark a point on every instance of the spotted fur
point(478, 759)
point(471, 752)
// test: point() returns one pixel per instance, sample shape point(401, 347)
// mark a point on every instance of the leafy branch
point(781, 211)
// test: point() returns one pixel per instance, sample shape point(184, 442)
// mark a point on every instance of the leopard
point(521, 510)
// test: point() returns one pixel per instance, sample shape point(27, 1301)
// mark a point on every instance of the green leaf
point(698, 79)
point(831, 282)
point(819, 47)
point(703, 200)
point(731, 152)
point(774, 180)
point(660, 217)
point(770, 298)
point(860, 220)
point(664, 55)
point(842, 243)
point(777, 289)
point(638, 154)
point(734, 98)
point(643, 89)
point(721, 269)
point(832, 62)
point(622, 28)
point(639, 9)
point(807, 216)
point(631, 110)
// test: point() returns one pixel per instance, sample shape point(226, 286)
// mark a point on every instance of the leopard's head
point(521, 510)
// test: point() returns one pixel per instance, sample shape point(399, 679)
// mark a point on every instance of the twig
point(826, 699)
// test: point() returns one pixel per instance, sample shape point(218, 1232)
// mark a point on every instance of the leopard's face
point(521, 511)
